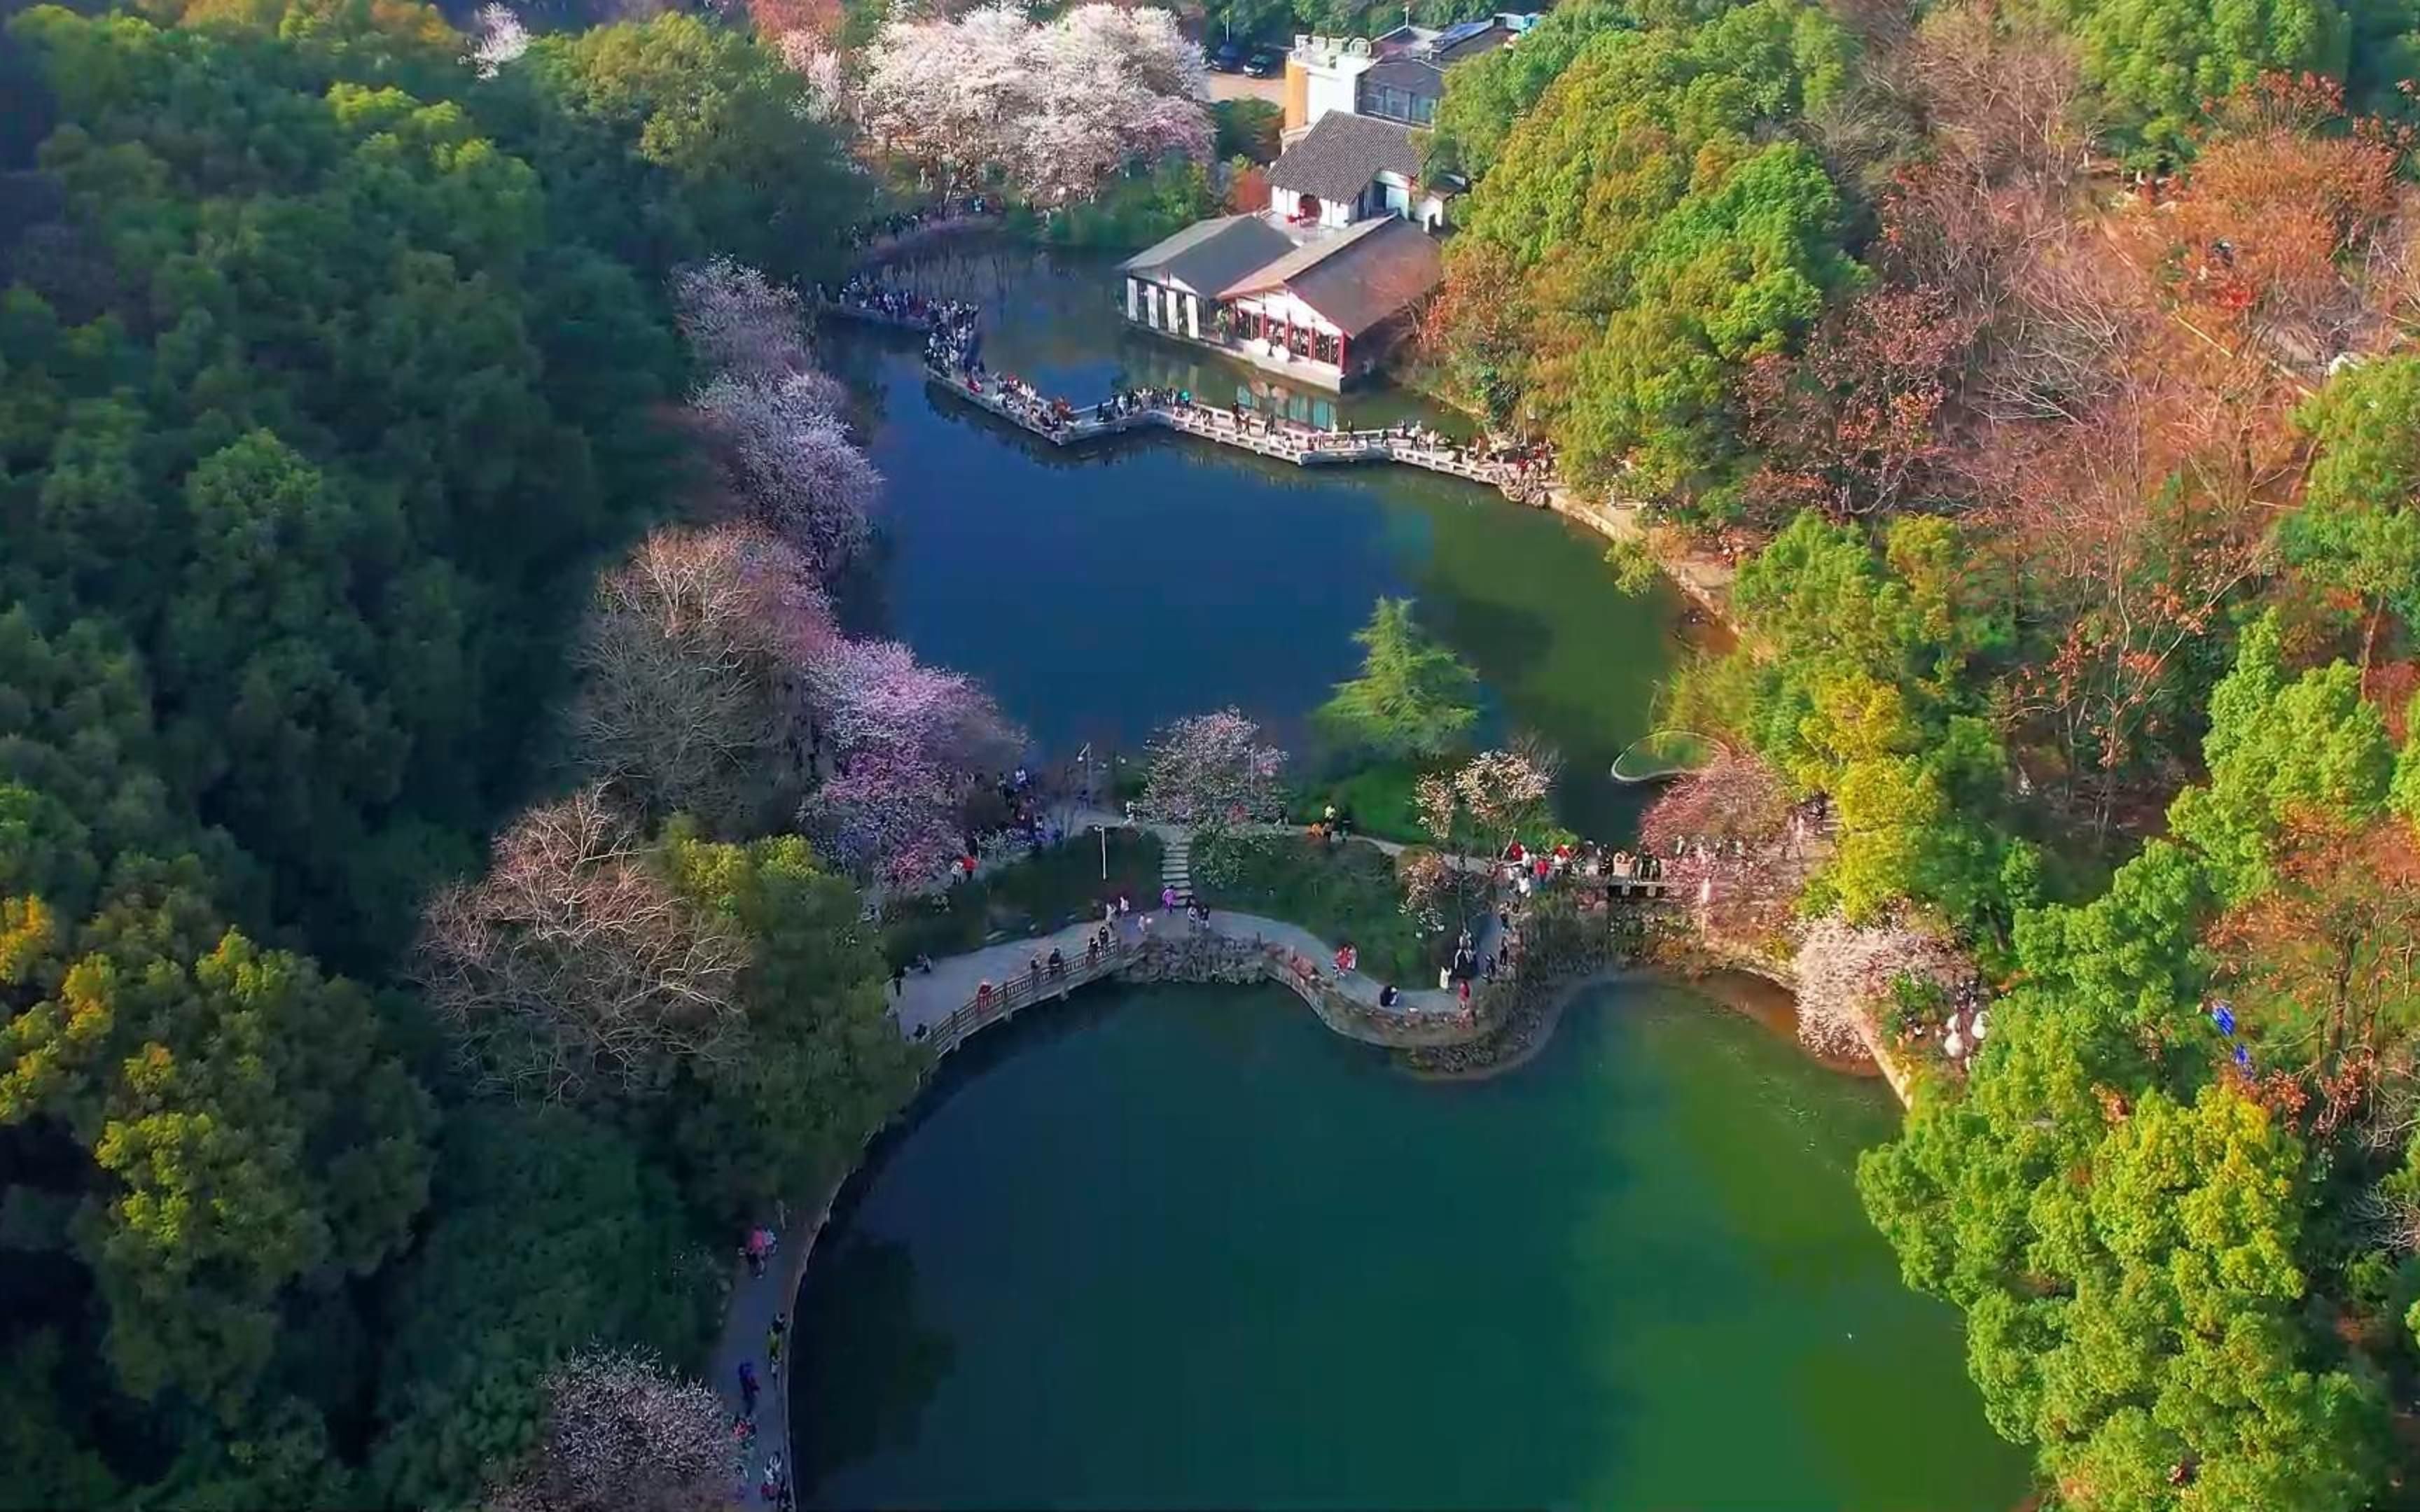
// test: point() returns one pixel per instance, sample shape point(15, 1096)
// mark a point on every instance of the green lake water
point(1182, 1247)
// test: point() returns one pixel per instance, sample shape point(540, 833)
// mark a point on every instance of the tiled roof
point(1413, 75)
point(1341, 152)
point(1357, 279)
point(1208, 255)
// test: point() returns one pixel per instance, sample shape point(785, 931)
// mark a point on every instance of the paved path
point(929, 998)
point(747, 1321)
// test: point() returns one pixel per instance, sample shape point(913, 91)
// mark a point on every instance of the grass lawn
point(1377, 798)
point(1338, 892)
point(1033, 896)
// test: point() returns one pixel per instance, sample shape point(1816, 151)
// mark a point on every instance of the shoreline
point(1702, 579)
point(1765, 1002)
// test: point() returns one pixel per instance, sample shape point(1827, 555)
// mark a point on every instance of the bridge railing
point(994, 1001)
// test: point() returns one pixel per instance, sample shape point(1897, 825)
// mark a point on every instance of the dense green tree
point(551, 1232)
point(1699, 242)
point(247, 1130)
point(2358, 531)
point(2305, 750)
point(2157, 63)
point(664, 140)
point(1413, 700)
point(821, 1064)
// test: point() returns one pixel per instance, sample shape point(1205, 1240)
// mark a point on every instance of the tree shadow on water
point(868, 1364)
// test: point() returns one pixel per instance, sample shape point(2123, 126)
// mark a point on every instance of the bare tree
point(572, 970)
point(693, 654)
point(623, 1435)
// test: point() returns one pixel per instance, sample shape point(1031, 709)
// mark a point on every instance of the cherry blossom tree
point(497, 38)
point(1845, 971)
point(1057, 106)
point(1734, 796)
point(907, 742)
point(693, 654)
point(1211, 768)
point(740, 324)
point(621, 1432)
point(806, 54)
point(1727, 847)
point(792, 464)
point(572, 970)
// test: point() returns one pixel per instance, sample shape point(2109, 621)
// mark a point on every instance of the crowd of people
point(773, 1483)
point(869, 294)
point(903, 222)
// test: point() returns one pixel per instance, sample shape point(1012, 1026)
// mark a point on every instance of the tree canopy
point(1414, 699)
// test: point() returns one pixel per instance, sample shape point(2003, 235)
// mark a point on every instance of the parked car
point(1264, 63)
point(1227, 59)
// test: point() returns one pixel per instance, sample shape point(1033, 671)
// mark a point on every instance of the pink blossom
point(1211, 767)
point(792, 463)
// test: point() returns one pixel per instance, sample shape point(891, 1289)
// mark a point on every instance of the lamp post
point(1103, 830)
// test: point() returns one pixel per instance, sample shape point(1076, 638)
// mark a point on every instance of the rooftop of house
point(1357, 279)
point(1342, 153)
point(1208, 255)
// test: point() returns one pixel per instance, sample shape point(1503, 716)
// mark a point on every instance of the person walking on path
point(899, 980)
point(1168, 899)
point(773, 1339)
point(747, 1385)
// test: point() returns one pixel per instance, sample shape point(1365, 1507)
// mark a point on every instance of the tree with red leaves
point(1853, 425)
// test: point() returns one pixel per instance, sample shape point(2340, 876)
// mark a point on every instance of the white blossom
point(497, 38)
point(1845, 971)
point(1059, 106)
point(793, 464)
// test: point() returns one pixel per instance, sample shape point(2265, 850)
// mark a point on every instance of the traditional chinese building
point(1330, 309)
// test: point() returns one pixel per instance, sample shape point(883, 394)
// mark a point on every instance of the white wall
point(1329, 89)
point(1287, 204)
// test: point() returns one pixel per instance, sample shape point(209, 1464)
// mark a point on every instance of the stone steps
point(1176, 868)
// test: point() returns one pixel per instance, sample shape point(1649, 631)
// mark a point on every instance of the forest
point(2046, 372)
point(436, 791)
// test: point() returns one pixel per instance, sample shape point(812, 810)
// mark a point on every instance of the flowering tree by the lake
point(793, 465)
point(776, 418)
point(1729, 847)
point(621, 1432)
point(1846, 972)
point(1483, 806)
point(1211, 768)
point(1057, 106)
point(907, 743)
point(738, 323)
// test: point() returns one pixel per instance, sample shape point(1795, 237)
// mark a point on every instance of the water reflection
point(873, 1363)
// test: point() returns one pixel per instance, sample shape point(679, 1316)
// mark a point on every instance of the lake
point(1102, 592)
point(1182, 1246)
